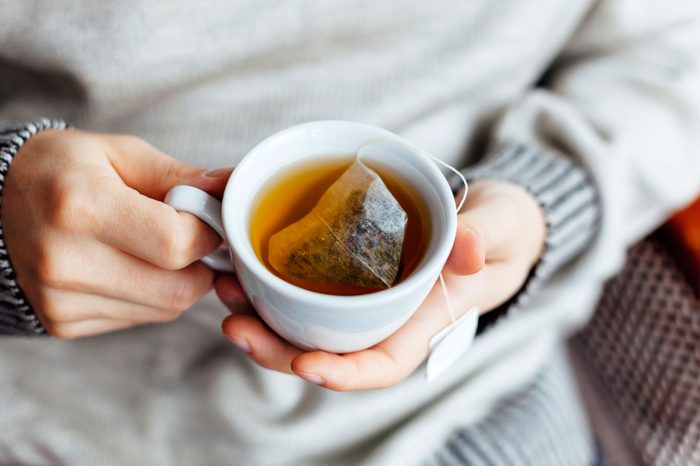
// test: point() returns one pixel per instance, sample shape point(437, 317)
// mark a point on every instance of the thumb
point(468, 255)
point(486, 228)
point(150, 171)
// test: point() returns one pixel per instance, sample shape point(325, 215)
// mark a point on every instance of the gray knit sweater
point(549, 94)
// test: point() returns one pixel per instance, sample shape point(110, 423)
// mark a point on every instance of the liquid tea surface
point(290, 196)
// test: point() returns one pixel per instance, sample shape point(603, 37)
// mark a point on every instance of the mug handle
point(208, 209)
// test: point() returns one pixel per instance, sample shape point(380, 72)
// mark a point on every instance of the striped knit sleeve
point(568, 198)
point(16, 316)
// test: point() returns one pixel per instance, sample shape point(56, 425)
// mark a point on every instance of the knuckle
point(49, 270)
point(177, 246)
point(176, 170)
point(182, 296)
point(68, 206)
point(131, 140)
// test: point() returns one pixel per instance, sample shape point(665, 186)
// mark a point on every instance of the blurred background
point(638, 360)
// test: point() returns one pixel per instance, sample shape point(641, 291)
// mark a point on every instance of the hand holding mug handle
point(208, 209)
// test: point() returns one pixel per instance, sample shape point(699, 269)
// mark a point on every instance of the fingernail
point(241, 343)
point(217, 172)
point(310, 377)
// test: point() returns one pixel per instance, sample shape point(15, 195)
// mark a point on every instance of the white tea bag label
point(449, 344)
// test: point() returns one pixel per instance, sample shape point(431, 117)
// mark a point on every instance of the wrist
point(16, 316)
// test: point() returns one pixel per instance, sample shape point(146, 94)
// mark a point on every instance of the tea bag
point(353, 236)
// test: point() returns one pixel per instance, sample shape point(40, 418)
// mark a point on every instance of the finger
point(468, 255)
point(72, 330)
point(384, 364)
point(67, 306)
point(230, 292)
point(104, 271)
point(165, 289)
point(149, 229)
point(213, 181)
point(369, 369)
point(492, 217)
point(267, 349)
point(392, 360)
point(487, 289)
point(145, 168)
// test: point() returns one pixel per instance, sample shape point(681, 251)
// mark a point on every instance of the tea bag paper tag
point(450, 343)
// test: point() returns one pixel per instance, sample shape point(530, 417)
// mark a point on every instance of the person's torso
point(206, 81)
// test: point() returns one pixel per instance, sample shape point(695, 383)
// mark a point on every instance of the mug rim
point(237, 232)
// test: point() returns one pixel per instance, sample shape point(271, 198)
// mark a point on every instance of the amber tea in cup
point(290, 196)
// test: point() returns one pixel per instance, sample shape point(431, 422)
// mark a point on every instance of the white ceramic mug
point(311, 320)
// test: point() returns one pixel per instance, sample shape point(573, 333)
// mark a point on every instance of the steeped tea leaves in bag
point(353, 236)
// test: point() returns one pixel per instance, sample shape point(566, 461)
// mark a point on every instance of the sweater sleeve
point(16, 316)
point(622, 102)
point(568, 198)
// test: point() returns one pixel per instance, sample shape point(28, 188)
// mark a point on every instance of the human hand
point(93, 248)
point(500, 236)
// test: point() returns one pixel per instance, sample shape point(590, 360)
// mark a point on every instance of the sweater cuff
point(568, 197)
point(16, 316)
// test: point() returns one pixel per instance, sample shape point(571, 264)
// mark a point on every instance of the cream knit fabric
point(206, 80)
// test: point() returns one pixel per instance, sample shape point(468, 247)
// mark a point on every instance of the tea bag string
point(458, 207)
point(459, 174)
point(445, 293)
point(443, 286)
point(447, 345)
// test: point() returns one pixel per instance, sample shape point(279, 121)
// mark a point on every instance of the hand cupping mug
point(338, 320)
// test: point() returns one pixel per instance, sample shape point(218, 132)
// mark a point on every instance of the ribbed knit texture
point(542, 425)
point(16, 316)
point(565, 192)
